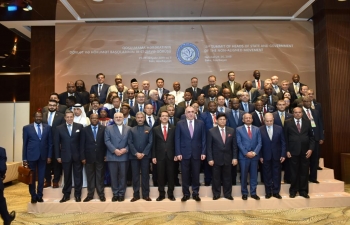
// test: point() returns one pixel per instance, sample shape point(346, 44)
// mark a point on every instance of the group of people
point(259, 126)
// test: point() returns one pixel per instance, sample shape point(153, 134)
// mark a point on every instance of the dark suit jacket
point(190, 147)
point(262, 83)
point(61, 108)
point(205, 90)
point(194, 96)
point(256, 119)
point(183, 104)
point(318, 130)
point(158, 103)
point(254, 94)
point(163, 148)
point(165, 91)
point(222, 153)
point(277, 119)
point(275, 148)
point(237, 87)
point(140, 141)
point(178, 111)
point(135, 109)
point(207, 119)
point(103, 93)
point(33, 147)
point(251, 107)
point(91, 150)
point(68, 147)
point(3, 166)
point(231, 122)
point(132, 121)
point(57, 120)
point(292, 92)
point(63, 96)
point(175, 120)
point(156, 121)
point(298, 143)
point(112, 112)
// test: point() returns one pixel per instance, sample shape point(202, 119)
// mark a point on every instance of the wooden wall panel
point(332, 56)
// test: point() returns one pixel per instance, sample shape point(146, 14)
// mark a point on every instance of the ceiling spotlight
point(97, 0)
point(6, 54)
point(3, 66)
point(2, 57)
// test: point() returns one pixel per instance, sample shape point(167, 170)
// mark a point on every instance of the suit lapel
point(34, 131)
point(91, 134)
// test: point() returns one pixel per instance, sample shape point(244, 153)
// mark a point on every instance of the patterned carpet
point(17, 197)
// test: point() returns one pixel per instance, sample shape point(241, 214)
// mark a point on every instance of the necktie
point(121, 96)
point(195, 93)
point(95, 134)
point(236, 117)
point(265, 110)
point(190, 127)
point(270, 99)
point(298, 126)
point(187, 104)
point(312, 105)
point(232, 86)
point(282, 118)
point(99, 89)
point(141, 110)
point(50, 119)
point(131, 103)
point(116, 110)
point(296, 88)
point(277, 90)
point(245, 107)
point(164, 133)
point(308, 114)
point(171, 121)
point(70, 129)
point(214, 118)
point(39, 131)
point(223, 135)
point(261, 118)
point(149, 121)
point(221, 109)
point(146, 93)
point(249, 133)
point(258, 84)
point(154, 107)
point(201, 108)
point(269, 131)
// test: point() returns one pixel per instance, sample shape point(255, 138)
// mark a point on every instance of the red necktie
point(214, 118)
point(249, 133)
point(259, 84)
point(308, 114)
point(265, 110)
point(298, 126)
point(261, 119)
point(164, 133)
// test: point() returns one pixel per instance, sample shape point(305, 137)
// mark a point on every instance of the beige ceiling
point(247, 9)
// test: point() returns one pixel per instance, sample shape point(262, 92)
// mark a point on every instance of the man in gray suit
point(140, 143)
point(116, 140)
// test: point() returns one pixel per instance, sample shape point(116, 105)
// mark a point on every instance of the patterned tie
point(214, 118)
point(164, 133)
point(223, 135)
point(121, 96)
point(149, 121)
point(261, 119)
point(39, 131)
point(249, 133)
point(50, 119)
point(282, 118)
point(131, 103)
point(95, 133)
point(221, 109)
point(190, 127)
point(70, 129)
point(308, 114)
point(99, 89)
point(298, 126)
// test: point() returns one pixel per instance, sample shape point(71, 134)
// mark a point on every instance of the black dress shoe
point(177, 184)
point(87, 199)
point(77, 199)
point(216, 197)
point(277, 196)
point(102, 198)
point(155, 183)
point(128, 183)
point(160, 198)
point(244, 197)
point(115, 198)
point(196, 198)
point(229, 197)
point(134, 199)
point(287, 181)
point(40, 199)
point(64, 199)
point(148, 199)
point(207, 183)
point(172, 198)
point(33, 201)
point(305, 195)
point(185, 198)
point(121, 198)
point(292, 195)
point(314, 181)
point(319, 168)
point(255, 197)
point(267, 196)
point(12, 217)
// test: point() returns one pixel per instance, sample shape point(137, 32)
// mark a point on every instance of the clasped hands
point(234, 162)
point(120, 152)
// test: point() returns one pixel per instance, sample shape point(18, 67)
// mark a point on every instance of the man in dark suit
point(130, 97)
point(140, 143)
point(257, 82)
point(171, 111)
point(190, 148)
point(5, 215)
point(299, 101)
point(67, 151)
point(88, 106)
point(153, 94)
point(253, 93)
point(37, 151)
point(221, 153)
point(284, 88)
point(272, 154)
point(271, 99)
point(146, 88)
point(116, 102)
point(245, 105)
point(317, 127)
point(258, 114)
point(59, 108)
point(84, 95)
point(71, 91)
point(140, 104)
point(231, 84)
point(281, 114)
point(116, 140)
point(53, 118)
point(295, 87)
point(100, 89)
point(188, 100)
point(95, 105)
point(163, 155)
point(211, 96)
point(150, 119)
point(275, 87)
point(128, 119)
point(160, 88)
point(266, 106)
point(202, 107)
point(211, 81)
point(194, 90)
point(300, 143)
point(171, 101)
point(249, 144)
point(93, 152)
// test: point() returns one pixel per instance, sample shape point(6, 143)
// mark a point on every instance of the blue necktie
point(149, 121)
point(125, 121)
point(221, 109)
point(131, 103)
point(171, 120)
point(39, 131)
point(141, 108)
point(95, 134)
point(236, 117)
point(70, 129)
point(50, 118)
point(201, 108)
point(245, 107)
point(121, 96)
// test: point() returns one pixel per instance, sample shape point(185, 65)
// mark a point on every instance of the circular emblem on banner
point(187, 53)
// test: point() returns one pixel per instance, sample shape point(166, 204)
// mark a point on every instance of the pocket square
point(146, 131)
point(77, 131)
point(229, 135)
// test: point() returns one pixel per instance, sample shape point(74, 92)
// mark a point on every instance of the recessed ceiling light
point(2, 57)
point(341, 0)
point(3, 66)
point(6, 55)
point(97, 0)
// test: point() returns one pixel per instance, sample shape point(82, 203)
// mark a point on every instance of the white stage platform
point(328, 193)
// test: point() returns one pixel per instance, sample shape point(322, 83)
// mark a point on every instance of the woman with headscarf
point(103, 117)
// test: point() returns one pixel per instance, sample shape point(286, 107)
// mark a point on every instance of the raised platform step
point(320, 199)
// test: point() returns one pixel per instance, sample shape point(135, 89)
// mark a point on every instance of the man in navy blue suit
point(258, 114)
point(272, 154)
point(153, 94)
point(160, 88)
point(245, 105)
point(37, 151)
point(249, 145)
point(190, 149)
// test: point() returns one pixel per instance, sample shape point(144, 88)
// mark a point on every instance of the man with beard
point(80, 86)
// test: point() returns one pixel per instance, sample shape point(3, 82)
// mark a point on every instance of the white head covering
point(82, 119)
